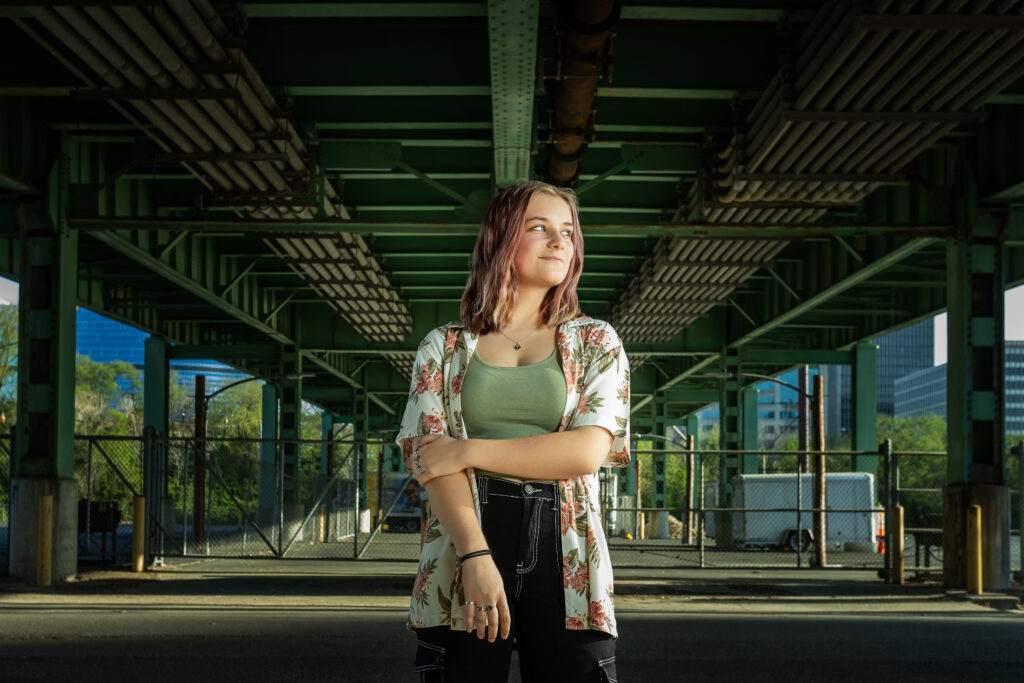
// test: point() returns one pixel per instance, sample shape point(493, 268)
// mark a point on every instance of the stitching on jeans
point(504, 495)
point(435, 666)
point(601, 663)
point(534, 538)
point(481, 490)
point(436, 648)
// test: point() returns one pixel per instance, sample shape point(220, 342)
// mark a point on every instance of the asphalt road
point(144, 638)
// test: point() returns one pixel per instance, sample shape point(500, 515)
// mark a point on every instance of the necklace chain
point(517, 344)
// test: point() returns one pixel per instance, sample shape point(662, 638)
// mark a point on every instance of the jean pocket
point(429, 660)
point(607, 668)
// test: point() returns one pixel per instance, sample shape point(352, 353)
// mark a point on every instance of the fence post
point(820, 530)
point(899, 562)
point(688, 518)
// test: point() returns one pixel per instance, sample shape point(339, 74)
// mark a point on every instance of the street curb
point(1000, 601)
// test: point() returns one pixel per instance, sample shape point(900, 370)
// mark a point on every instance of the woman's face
point(546, 250)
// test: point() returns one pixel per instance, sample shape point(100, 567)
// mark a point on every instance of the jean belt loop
point(481, 489)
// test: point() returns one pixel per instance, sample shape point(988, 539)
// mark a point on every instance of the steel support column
point(269, 450)
point(730, 425)
point(749, 431)
point(43, 454)
point(865, 406)
point(658, 425)
point(155, 418)
point(360, 433)
point(975, 468)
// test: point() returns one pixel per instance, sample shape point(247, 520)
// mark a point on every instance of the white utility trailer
point(758, 524)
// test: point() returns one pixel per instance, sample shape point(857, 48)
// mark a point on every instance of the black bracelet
point(475, 553)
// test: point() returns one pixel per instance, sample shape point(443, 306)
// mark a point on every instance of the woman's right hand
point(483, 586)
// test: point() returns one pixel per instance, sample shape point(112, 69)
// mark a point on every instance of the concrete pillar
point(975, 468)
point(865, 406)
point(43, 457)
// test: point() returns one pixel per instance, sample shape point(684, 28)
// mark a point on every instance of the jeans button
point(529, 490)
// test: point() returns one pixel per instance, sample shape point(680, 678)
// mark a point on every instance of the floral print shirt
point(597, 383)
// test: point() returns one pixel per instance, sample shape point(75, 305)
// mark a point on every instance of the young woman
point(511, 413)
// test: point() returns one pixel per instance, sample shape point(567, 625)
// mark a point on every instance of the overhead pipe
point(588, 26)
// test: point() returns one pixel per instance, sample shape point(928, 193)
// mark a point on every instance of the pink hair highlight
point(492, 290)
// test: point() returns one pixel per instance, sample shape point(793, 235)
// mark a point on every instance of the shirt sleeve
point(604, 398)
point(424, 411)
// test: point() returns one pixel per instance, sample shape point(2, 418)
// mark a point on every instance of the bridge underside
point(295, 189)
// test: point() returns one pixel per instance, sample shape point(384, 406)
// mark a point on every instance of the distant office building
point(900, 353)
point(924, 392)
point(921, 393)
point(105, 340)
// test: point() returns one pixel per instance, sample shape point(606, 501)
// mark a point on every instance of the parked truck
point(760, 495)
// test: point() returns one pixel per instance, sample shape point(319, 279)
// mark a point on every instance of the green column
point(268, 455)
point(693, 428)
point(155, 419)
point(327, 448)
point(865, 406)
point(730, 425)
point(658, 493)
point(291, 415)
point(362, 429)
point(748, 437)
point(975, 468)
point(156, 382)
point(43, 448)
point(44, 442)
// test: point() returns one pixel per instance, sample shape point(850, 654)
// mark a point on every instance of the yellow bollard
point(44, 570)
point(898, 560)
point(139, 535)
point(974, 586)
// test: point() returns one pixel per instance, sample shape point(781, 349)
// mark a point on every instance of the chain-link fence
point(674, 509)
point(313, 499)
point(347, 499)
point(764, 515)
point(109, 472)
point(918, 482)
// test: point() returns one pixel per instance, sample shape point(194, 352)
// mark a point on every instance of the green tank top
point(512, 402)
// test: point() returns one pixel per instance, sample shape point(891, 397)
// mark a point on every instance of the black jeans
point(521, 522)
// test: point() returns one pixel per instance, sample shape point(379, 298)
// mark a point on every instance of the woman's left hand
point(438, 455)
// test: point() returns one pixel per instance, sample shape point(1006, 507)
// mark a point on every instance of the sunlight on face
point(546, 249)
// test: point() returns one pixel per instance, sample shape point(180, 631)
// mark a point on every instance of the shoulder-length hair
point(493, 287)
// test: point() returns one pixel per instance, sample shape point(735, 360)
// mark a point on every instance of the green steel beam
point(386, 90)
point(420, 228)
point(512, 33)
point(466, 10)
point(843, 284)
point(797, 356)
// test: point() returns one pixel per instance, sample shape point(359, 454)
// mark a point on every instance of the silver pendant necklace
point(517, 344)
